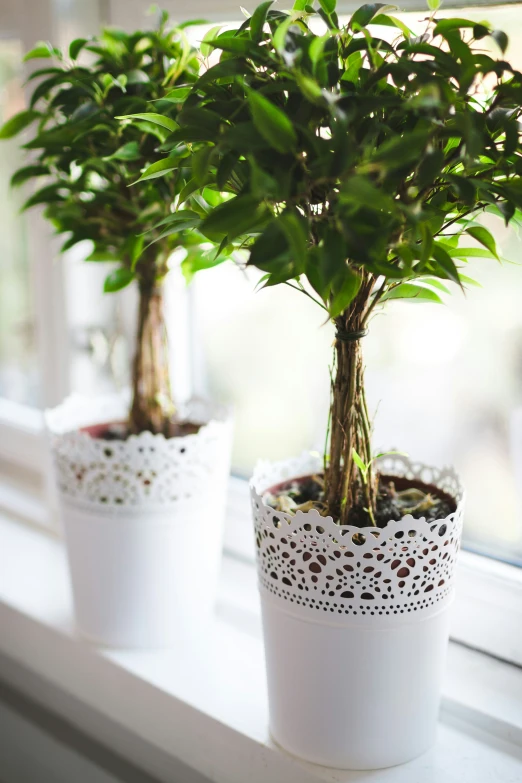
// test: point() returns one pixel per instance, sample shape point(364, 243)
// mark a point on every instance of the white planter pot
point(355, 634)
point(143, 521)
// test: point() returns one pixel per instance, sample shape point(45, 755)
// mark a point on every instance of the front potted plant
point(357, 160)
point(141, 486)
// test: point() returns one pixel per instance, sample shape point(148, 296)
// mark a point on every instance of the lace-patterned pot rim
point(318, 570)
point(145, 471)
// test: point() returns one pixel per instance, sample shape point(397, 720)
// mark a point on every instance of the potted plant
point(357, 160)
point(142, 486)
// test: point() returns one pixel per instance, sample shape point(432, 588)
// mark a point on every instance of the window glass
point(18, 365)
point(100, 325)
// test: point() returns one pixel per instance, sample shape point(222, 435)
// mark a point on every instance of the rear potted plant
point(356, 168)
point(142, 491)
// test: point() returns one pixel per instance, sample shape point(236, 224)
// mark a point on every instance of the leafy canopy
point(361, 153)
point(86, 160)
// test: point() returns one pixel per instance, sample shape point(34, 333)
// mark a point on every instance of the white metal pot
point(143, 521)
point(355, 629)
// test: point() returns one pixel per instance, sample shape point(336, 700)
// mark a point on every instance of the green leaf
point(262, 184)
point(109, 81)
point(353, 66)
point(225, 170)
point(445, 262)
point(43, 72)
point(392, 21)
point(434, 5)
point(269, 247)
point(294, 228)
point(231, 216)
point(280, 36)
point(196, 261)
point(506, 209)
point(26, 173)
point(155, 119)
point(258, 19)
point(501, 39)
point(316, 48)
point(358, 191)
point(333, 260)
point(103, 256)
point(428, 97)
point(485, 238)
point(430, 167)
point(346, 293)
point(272, 123)
point(402, 150)
point(43, 89)
point(244, 138)
point(129, 151)
point(283, 272)
point(413, 292)
point(309, 87)
point(387, 454)
point(449, 25)
point(481, 30)
point(360, 464)
point(328, 6)
point(180, 216)
point(84, 112)
point(46, 195)
point(426, 244)
point(40, 51)
point(177, 95)
point(137, 76)
point(133, 248)
point(225, 70)
point(465, 280)
point(17, 123)
point(177, 228)
point(189, 22)
point(468, 252)
point(189, 188)
point(117, 280)
point(76, 46)
point(74, 239)
point(200, 164)
point(463, 186)
point(435, 283)
point(366, 13)
point(210, 35)
point(230, 43)
point(200, 118)
point(158, 169)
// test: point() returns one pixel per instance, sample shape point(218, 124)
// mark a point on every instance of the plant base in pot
point(143, 520)
point(355, 623)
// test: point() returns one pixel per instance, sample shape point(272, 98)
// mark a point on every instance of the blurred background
point(444, 382)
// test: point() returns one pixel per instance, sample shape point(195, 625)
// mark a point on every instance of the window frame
point(488, 608)
point(127, 13)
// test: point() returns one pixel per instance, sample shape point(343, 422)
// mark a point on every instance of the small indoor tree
point(86, 162)
point(357, 159)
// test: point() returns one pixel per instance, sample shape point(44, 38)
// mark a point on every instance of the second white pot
point(355, 624)
point(143, 522)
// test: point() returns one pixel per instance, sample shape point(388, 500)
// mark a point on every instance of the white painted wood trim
point(205, 704)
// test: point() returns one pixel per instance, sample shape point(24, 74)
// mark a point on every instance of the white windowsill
point(205, 705)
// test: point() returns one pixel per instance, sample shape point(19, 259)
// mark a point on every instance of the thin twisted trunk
point(346, 487)
point(152, 407)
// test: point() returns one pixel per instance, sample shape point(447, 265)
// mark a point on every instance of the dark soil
point(396, 498)
point(119, 430)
